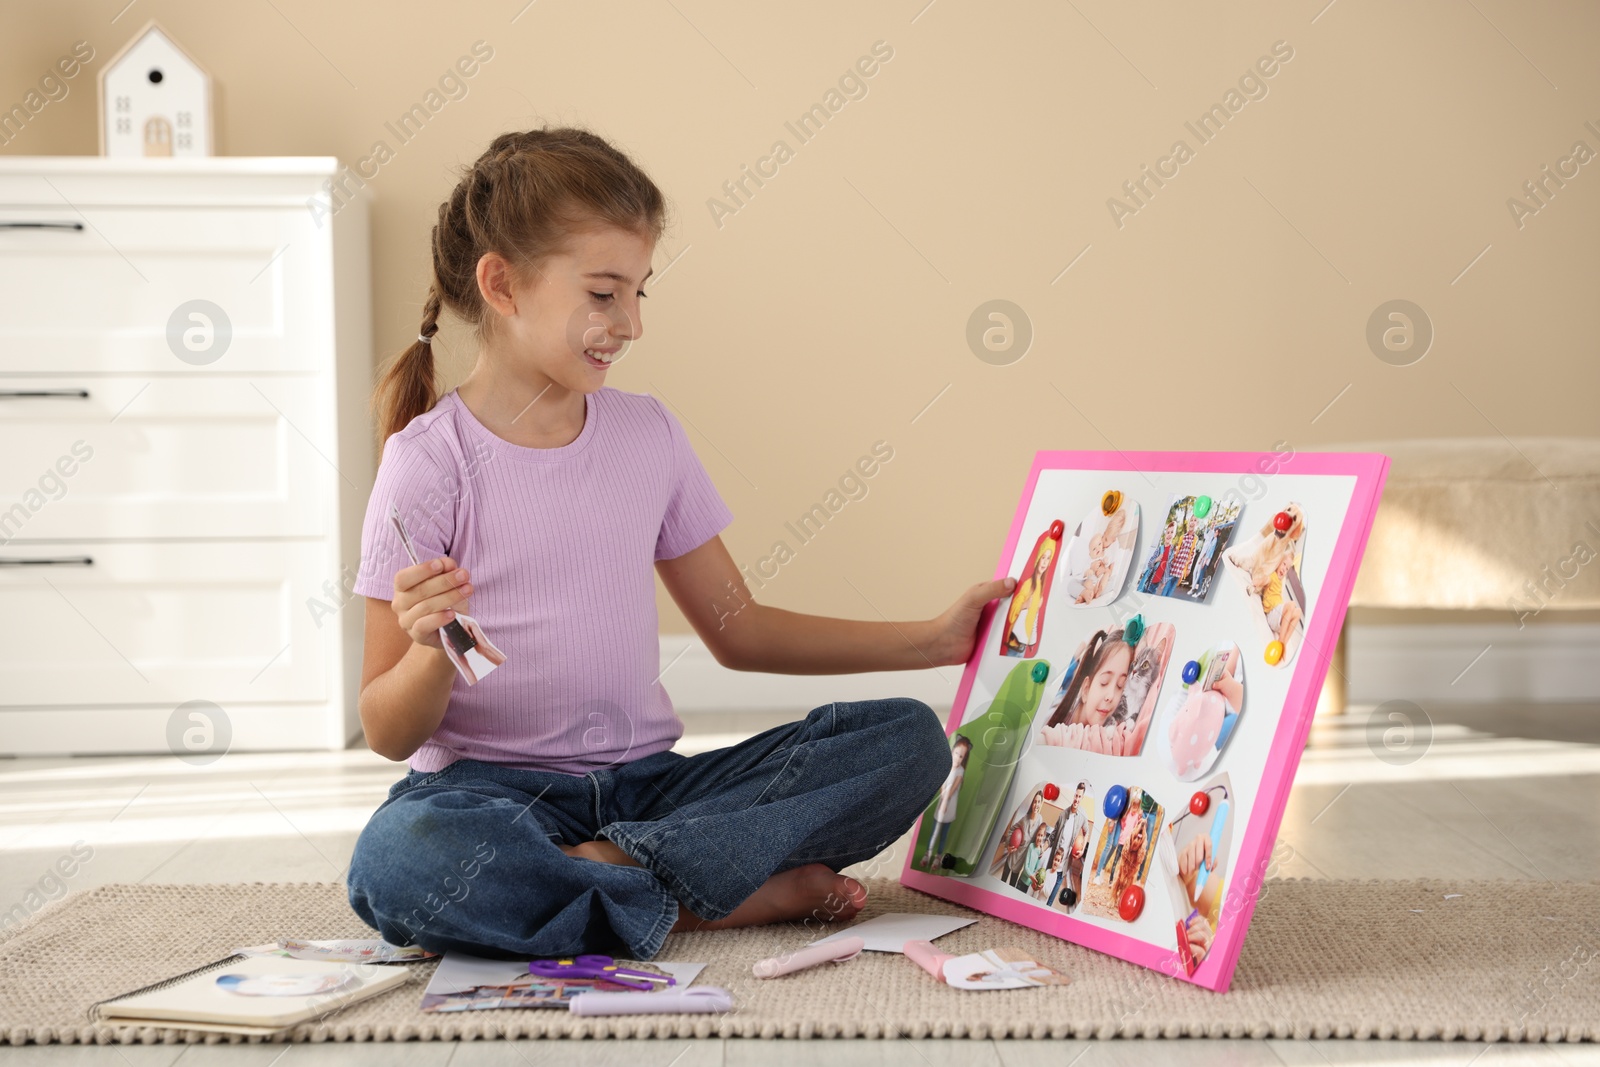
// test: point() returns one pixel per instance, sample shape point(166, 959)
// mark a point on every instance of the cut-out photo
point(1100, 553)
point(1122, 857)
point(1268, 568)
point(1025, 849)
point(1192, 858)
point(1031, 595)
point(1186, 550)
point(1107, 697)
point(1200, 718)
point(983, 759)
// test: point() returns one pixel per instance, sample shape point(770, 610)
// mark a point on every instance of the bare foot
point(814, 892)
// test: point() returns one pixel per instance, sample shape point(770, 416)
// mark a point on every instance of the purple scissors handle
point(601, 967)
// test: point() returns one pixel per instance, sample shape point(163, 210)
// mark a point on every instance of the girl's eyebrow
point(617, 276)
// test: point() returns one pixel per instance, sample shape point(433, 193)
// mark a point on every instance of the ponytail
point(408, 387)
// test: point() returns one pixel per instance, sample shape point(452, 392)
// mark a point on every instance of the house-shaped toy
point(155, 99)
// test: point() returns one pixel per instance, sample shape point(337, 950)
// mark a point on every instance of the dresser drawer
point(167, 457)
point(97, 290)
point(163, 623)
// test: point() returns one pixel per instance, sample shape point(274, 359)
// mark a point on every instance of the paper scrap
point(340, 951)
point(999, 968)
point(889, 932)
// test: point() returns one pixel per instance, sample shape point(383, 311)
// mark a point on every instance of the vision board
point(1126, 732)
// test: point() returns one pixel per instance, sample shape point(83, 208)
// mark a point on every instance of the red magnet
point(1282, 521)
point(1200, 803)
point(1132, 903)
point(1051, 791)
point(1057, 529)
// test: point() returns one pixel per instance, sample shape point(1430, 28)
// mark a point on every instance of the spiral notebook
point(250, 994)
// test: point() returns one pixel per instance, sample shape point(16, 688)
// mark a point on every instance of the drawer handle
point(11, 394)
point(41, 226)
point(62, 561)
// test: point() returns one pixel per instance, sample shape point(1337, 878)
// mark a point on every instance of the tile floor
point(1491, 793)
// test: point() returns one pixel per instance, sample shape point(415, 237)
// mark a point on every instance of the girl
point(1027, 604)
point(1008, 858)
point(1056, 874)
point(1031, 878)
point(544, 812)
point(1094, 692)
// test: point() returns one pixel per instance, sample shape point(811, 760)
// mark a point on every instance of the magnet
point(1057, 528)
point(1110, 502)
point(1274, 653)
point(1202, 506)
point(1200, 803)
point(1191, 672)
point(1282, 521)
point(1116, 802)
point(1051, 791)
point(1132, 903)
point(1041, 671)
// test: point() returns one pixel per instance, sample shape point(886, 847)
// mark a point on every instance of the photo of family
point(1107, 697)
point(1100, 553)
point(1201, 717)
point(1184, 557)
point(1193, 859)
point(983, 759)
point(1268, 567)
point(1033, 852)
point(1123, 856)
point(1025, 612)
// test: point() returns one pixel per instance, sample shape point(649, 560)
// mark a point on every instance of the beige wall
point(825, 313)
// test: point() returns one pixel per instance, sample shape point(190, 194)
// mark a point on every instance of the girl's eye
point(602, 297)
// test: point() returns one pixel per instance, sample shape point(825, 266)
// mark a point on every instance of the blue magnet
point(1191, 672)
point(1116, 802)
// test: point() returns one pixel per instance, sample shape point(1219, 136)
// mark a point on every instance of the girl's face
point(1038, 838)
point(1046, 554)
point(960, 759)
point(578, 309)
point(1105, 688)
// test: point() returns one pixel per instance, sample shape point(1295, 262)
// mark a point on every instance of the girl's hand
point(955, 633)
point(425, 596)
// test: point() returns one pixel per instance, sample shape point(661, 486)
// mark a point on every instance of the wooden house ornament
point(155, 99)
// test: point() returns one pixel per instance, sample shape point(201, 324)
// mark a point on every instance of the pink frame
point(1216, 971)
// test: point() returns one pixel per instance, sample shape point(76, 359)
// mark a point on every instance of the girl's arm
point(406, 680)
point(746, 636)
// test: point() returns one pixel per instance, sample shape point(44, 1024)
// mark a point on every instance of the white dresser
point(185, 455)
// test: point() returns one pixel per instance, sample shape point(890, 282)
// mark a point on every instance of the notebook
point(251, 994)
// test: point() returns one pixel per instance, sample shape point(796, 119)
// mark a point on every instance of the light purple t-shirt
point(560, 544)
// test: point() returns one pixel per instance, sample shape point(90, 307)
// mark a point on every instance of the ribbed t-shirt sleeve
point(412, 480)
point(695, 510)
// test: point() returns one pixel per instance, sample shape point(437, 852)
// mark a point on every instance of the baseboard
point(1474, 663)
point(1547, 663)
point(698, 683)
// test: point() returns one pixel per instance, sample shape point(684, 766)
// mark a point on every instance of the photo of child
point(1025, 613)
point(1100, 554)
point(1123, 856)
point(1108, 693)
point(1183, 560)
point(1193, 860)
point(1016, 836)
point(942, 809)
point(1268, 566)
point(1068, 889)
point(1201, 717)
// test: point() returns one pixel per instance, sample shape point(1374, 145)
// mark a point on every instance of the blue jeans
point(468, 858)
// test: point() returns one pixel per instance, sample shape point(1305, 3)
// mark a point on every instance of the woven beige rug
point(1500, 961)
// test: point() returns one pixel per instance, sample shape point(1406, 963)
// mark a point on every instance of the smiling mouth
point(601, 357)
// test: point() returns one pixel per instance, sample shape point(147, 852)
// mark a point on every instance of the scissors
point(602, 967)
